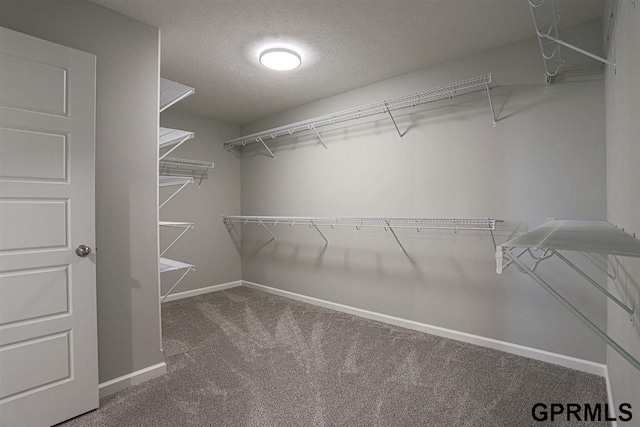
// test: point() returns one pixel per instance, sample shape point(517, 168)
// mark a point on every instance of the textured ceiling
point(213, 45)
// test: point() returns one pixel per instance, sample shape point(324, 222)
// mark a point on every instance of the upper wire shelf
point(172, 92)
point(451, 90)
point(198, 169)
point(546, 20)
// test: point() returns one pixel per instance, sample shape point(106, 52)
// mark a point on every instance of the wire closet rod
point(451, 90)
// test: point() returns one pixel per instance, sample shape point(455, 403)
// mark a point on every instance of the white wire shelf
point(167, 265)
point(172, 138)
point(546, 19)
point(167, 181)
point(175, 224)
point(388, 224)
point(451, 90)
point(583, 237)
point(598, 237)
point(172, 92)
point(412, 223)
point(171, 166)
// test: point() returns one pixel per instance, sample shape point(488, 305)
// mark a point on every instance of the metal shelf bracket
point(185, 231)
point(189, 270)
point(175, 193)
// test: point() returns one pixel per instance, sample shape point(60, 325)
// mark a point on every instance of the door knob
point(83, 250)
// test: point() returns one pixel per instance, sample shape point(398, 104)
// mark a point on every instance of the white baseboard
point(200, 291)
point(109, 387)
point(520, 350)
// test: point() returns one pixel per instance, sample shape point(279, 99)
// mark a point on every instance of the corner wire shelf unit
point(584, 237)
point(388, 224)
point(173, 138)
point(448, 91)
point(171, 166)
point(545, 20)
point(173, 92)
point(171, 171)
point(167, 265)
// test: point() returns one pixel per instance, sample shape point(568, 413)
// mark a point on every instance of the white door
point(48, 343)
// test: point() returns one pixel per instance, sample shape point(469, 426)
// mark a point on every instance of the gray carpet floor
point(243, 357)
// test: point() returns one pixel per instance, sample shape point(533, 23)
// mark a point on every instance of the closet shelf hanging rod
point(451, 90)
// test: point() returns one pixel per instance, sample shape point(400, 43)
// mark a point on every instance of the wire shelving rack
point(448, 91)
point(388, 224)
point(584, 237)
point(546, 20)
point(172, 166)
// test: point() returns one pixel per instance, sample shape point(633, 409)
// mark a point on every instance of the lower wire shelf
point(391, 224)
point(167, 265)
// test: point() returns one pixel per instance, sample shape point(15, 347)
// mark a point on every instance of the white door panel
point(48, 342)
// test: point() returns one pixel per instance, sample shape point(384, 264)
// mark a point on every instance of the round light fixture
point(280, 59)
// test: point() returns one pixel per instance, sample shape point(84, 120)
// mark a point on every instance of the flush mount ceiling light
point(280, 59)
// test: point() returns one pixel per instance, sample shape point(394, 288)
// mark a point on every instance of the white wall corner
point(137, 377)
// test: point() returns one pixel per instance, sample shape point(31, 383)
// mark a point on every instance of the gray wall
point(126, 168)
point(209, 246)
point(546, 158)
point(622, 93)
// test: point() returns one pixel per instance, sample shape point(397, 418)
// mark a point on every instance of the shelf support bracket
point(605, 271)
point(326, 242)
point(259, 139)
point(499, 254)
point(493, 113)
point(273, 236)
point(396, 237)
point(174, 147)
point(577, 49)
point(176, 240)
point(394, 122)
point(174, 194)
point(493, 239)
point(189, 270)
point(574, 310)
point(313, 128)
point(593, 282)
